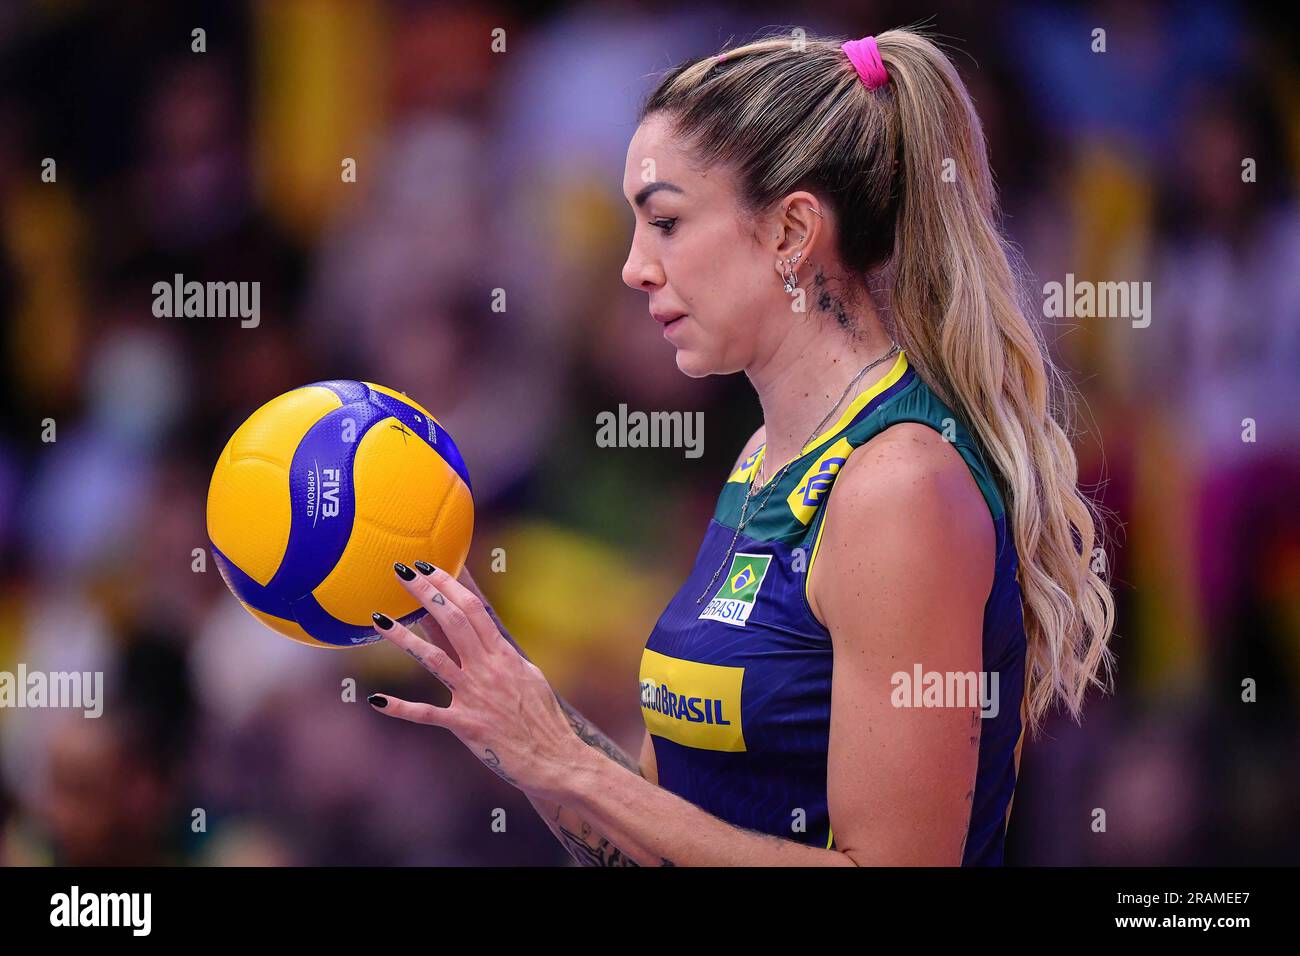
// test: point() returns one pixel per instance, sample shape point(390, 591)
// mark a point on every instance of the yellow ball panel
point(249, 509)
point(364, 582)
point(274, 431)
point(449, 541)
point(399, 482)
point(400, 485)
point(248, 515)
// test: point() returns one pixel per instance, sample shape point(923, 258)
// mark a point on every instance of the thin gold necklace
point(749, 492)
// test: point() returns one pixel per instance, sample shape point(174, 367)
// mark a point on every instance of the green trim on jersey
point(792, 512)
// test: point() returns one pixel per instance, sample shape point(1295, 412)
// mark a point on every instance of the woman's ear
point(799, 226)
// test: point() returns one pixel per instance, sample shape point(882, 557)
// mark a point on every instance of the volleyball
point(319, 492)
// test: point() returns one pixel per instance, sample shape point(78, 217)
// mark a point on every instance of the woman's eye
point(665, 224)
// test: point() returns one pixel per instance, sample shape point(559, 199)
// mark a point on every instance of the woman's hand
point(502, 707)
point(433, 633)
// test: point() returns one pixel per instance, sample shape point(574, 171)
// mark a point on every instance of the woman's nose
point(641, 273)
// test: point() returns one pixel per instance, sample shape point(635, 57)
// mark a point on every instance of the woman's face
point(694, 257)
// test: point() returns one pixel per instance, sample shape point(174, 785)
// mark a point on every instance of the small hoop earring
point(791, 278)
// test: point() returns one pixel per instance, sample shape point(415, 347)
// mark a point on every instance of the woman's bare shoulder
point(907, 494)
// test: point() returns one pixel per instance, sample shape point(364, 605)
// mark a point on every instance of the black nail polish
point(425, 567)
point(383, 620)
point(403, 572)
point(378, 700)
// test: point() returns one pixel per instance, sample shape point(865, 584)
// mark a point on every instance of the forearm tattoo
point(494, 764)
point(594, 737)
point(589, 848)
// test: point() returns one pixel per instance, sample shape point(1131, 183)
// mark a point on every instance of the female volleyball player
point(821, 216)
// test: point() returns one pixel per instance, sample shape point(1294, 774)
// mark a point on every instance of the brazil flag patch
point(735, 597)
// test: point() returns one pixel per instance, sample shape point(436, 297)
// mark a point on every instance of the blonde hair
point(789, 113)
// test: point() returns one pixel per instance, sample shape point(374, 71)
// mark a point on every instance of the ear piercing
point(791, 278)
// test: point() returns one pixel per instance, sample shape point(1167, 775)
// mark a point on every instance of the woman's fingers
point(431, 657)
point(416, 713)
point(467, 579)
point(428, 628)
point(456, 627)
point(457, 610)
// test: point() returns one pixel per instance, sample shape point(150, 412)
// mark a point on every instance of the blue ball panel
point(317, 541)
point(330, 630)
point(248, 590)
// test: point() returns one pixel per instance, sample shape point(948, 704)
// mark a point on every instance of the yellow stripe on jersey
point(892, 376)
point(817, 480)
point(747, 467)
point(745, 472)
point(807, 574)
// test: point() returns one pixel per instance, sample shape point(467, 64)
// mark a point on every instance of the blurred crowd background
point(479, 170)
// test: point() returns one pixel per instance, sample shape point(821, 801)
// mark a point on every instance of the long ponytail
point(957, 308)
point(907, 164)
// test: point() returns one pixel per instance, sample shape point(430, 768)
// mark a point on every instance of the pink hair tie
point(865, 57)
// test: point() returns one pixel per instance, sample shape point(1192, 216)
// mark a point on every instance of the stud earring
point(791, 277)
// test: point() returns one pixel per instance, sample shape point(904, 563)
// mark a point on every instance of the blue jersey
point(736, 676)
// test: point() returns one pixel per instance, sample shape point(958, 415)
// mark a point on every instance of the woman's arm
point(902, 574)
point(901, 578)
point(584, 844)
